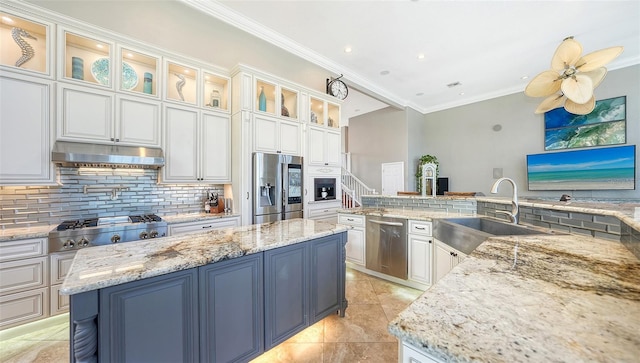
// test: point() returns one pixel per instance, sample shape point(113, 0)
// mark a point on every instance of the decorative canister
point(215, 99)
point(77, 68)
point(148, 83)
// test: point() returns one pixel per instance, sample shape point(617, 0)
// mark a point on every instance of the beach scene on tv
point(593, 169)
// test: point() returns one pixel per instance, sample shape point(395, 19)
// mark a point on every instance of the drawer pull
point(420, 228)
point(350, 219)
point(209, 226)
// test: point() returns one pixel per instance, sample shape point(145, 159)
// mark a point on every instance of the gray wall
point(468, 148)
point(375, 138)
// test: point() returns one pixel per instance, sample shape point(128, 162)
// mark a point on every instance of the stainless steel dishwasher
point(387, 246)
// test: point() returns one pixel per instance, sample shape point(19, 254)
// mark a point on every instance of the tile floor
point(359, 337)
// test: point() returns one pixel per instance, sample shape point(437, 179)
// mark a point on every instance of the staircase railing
point(353, 189)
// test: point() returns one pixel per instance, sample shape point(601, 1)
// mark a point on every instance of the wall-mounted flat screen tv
point(589, 169)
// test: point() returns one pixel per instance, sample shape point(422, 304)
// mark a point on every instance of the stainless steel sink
point(465, 234)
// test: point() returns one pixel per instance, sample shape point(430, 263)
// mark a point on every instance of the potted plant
point(425, 159)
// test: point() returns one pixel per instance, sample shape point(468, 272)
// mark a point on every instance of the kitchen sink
point(465, 234)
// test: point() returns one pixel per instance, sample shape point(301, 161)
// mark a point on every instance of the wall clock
point(337, 88)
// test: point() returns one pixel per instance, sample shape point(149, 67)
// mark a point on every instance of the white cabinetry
point(323, 146)
point(420, 252)
point(196, 145)
point(276, 136)
point(446, 258)
point(203, 226)
point(24, 292)
point(409, 354)
point(355, 248)
point(25, 131)
point(59, 264)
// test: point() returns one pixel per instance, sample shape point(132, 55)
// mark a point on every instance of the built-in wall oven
point(386, 250)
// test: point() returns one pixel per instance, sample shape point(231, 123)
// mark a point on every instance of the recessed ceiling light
point(384, 73)
point(461, 93)
point(524, 77)
point(420, 94)
point(7, 19)
point(129, 55)
point(347, 49)
point(421, 56)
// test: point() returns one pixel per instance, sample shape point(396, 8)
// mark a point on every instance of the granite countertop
point(420, 215)
point(103, 266)
point(9, 234)
point(567, 298)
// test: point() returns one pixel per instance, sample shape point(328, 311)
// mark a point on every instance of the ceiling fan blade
point(598, 58)
point(550, 103)
point(544, 84)
point(578, 88)
point(596, 75)
point(580, 109)
point(567, 53)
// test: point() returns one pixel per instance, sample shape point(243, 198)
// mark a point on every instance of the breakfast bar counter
point(530, 299)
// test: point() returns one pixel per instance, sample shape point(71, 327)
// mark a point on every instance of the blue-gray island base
point(275, 280)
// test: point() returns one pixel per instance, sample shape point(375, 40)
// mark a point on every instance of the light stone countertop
point(103, 266)
point(420, 215)
point(9, 234)
point(568, 299)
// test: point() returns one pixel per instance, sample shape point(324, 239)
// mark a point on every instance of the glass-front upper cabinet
point(333, 115)
point(140, 72)
point(181, 83)
point(266, 97)
point(288, 103)
point(316, 109)
point(86, 59)
point(24, 44)
point(215, 91)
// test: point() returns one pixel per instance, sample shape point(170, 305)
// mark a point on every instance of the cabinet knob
point(112, 139)
point(117, 140)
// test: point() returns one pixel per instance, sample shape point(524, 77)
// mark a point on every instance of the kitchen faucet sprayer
point(513, 215)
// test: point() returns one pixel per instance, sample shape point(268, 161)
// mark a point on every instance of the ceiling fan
point(572, 78)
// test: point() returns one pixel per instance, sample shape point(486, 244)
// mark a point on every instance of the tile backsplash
point(22, 206)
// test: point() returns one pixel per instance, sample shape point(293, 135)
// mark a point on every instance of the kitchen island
point(529, 299)
point(222, 295)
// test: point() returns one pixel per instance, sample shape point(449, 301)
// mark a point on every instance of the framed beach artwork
point(590, 169)
point(605, 125)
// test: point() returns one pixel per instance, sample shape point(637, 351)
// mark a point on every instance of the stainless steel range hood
point(77, 154)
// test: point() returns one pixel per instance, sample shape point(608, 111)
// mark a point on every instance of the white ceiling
point(487, 46)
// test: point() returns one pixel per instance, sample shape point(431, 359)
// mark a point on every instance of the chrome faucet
point(513, 215)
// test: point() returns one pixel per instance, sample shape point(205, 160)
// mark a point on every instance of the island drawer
point(420, 227)
point(351, 220)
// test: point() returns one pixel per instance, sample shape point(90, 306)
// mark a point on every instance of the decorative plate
point(129, 76)
point(100, 71)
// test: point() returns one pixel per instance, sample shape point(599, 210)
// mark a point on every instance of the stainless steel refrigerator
point(277, 187)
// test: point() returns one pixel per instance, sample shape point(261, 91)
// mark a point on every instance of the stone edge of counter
point(163, 256)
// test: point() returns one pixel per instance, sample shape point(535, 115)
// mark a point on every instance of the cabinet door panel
point(420, 251)
point(151, 320)
point(231, 310)
point(87, 115)
point(265, 134)
point(23, 275)
point(180, 145)
point(327, 286)
point(24, 125)
point(216, 148)
point(139, 121)
point(355, 246)
point(286, 289)
point(289, 138)
point(442, 260)
point(315, 153)
point(332, 151)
